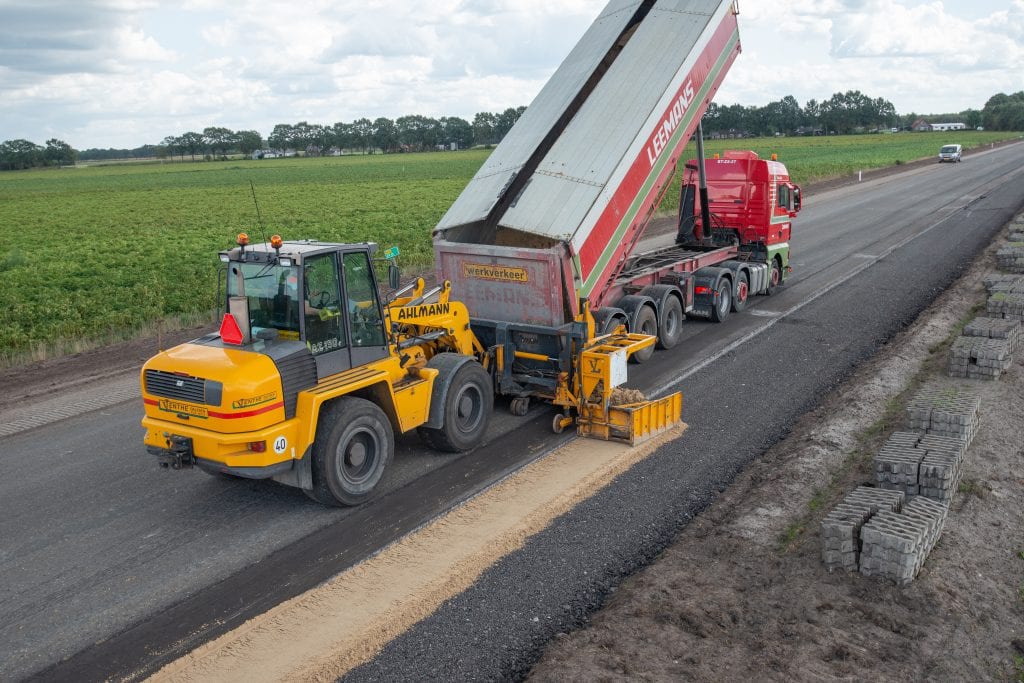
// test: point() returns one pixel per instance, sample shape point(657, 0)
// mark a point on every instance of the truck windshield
point(273, 295)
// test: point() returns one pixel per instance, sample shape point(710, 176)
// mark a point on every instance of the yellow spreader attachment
point(602, 369)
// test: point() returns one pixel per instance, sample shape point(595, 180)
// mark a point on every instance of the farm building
point(922, 125)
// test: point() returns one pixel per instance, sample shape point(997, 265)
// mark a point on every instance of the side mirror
point(394, 276)
point(796, 199)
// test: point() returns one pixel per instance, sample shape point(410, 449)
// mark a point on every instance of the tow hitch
point(178, 454)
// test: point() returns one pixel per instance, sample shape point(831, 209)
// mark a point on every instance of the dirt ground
point(743, 594)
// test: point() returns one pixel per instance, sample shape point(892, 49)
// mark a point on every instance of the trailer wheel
point(739, 300)
point(722, 304)
point(354, 443)
point(646, 323)
point(774, 277)
point(670, 331)
point(467, 411)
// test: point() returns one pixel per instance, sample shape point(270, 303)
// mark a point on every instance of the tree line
point(843, 113)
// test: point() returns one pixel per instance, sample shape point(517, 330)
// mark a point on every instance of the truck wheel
point(354, 443)
point(722, 304)
point(739, 300)
point(670, 331)
point(467, 411)
point(646, 323)
point(774, 277)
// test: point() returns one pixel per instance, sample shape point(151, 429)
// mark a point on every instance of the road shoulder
point(742, 593)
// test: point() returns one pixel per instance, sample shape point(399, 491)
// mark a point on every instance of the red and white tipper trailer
point(553, 220)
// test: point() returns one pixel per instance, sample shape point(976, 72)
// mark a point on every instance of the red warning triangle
point(229, 330)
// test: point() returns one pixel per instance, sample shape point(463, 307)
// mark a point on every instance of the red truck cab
point(751, 197)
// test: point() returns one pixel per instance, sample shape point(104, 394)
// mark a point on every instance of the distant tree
point(385, 134)
point(483, 128)
point(20, 154)
point(972, 117)
point(281, 137)
point(362, 134)
point(1004, 112)
point(192, 143)
point(456, 131)
point(812, 112)
point(219, 140)
point(59, 153)
point(504, 121)
point(343, 135)
point(249, 141)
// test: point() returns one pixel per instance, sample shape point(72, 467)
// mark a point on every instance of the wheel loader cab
point(325, 296)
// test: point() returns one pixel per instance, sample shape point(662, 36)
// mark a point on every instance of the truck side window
point(363, 305)
point(324, 329)
point(783, 193)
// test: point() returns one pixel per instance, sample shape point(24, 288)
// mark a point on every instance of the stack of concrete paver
point(898, 463)
point(995, 328)
point(1011, 257)
point(920, 464)
point(980, 357)
point(941, 466)
point(1009, 305)
point(1003, 282)
point(894, 545)
point(841, 528)
point(945, 411)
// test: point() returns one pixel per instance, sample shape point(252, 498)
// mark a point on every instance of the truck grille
point(183, 387)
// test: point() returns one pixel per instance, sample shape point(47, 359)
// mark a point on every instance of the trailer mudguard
point(608, 318)
point(659, 294)
point(632, 304)
point(705, 284)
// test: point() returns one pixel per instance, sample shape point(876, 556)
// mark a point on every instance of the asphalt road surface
point(112, 567)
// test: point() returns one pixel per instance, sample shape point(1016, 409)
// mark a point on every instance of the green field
point(93, 254)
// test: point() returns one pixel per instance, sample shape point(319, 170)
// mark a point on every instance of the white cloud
point(126, 72)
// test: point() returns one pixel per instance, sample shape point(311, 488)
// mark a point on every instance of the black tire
point(670, 327)
point(646, 323)
point(354, 444)
point(467, 411)
point(774, 277)
point(722, 303)
point(742, 294)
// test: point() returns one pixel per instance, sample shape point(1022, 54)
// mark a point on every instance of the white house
point(949, 126)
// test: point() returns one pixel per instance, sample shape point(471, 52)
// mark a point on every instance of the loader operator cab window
point(324, 323)
point(272, 295)
point(366, 320)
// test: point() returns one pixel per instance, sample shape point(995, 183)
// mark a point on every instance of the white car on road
point(950, 153)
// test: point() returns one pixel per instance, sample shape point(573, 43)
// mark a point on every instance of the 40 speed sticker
point(280, 445)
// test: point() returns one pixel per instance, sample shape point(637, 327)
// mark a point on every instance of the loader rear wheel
point(739, 300)
point(467, 411)
point(354, 443)
point(646, 323)
point(670, 329)
point(722, 304)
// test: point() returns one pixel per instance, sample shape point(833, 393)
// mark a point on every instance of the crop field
point(93, 254)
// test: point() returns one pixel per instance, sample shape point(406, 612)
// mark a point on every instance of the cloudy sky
point(122, 73)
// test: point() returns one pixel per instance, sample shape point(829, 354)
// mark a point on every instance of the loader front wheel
point(354, 444)
point(467, 411)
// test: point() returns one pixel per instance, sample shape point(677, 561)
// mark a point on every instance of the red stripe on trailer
point(603, 237)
